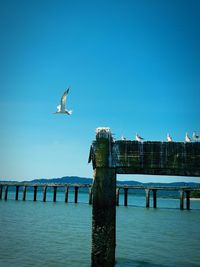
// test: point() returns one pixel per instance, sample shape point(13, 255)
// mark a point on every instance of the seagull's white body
point(169, 138)
point(138, 138)
point(195, 136)
point(123, 138)
point(187, 138)
point(61, 109)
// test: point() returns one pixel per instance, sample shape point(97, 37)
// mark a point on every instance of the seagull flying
point(138, 138)
point(187, 138)
point(169, 138)
point(61, 109)
point(195, 136)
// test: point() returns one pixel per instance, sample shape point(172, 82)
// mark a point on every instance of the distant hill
point(65, 180)
point(83, 180)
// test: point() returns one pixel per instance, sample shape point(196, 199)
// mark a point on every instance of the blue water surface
point(59, 234)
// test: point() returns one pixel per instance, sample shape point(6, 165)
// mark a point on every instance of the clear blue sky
point(133, 65)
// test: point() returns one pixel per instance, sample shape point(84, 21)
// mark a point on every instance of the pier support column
point(6, 193)
point(104, 218)
point(154, 198)
point(76, 194)
point(90, 196)
point(24, 193)
point(125, 197)
point(35, 193)
point(104, 201)
point(147, 197)
point(45, 193)
point(66, 193)
point(187, 199)
point(117, 196)
point(17, 192)
point(181, 200)
point(54, 193)
point(1, 190)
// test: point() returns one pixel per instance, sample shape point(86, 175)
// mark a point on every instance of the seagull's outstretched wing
point(63, 99)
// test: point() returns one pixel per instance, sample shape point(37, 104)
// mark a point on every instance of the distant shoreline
point(194, 198)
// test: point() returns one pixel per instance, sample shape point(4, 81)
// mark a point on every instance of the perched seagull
point(169, 139)
point(61, 109)
point(138, 138)
point(195, 136)
point(123, 138)
point(187, 138)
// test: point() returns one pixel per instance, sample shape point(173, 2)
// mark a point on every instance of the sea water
point(59, 234)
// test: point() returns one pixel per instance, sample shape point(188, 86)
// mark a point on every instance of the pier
point(184, 192)
point(4, 189)
point(110, 158)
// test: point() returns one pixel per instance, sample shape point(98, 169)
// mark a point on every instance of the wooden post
point(181, 200)
point(104, 203)
point(90, 196)
point(117, 196)
point(66, 193)
point(125, 196)
point(187, 199)
point(147, 197)
point(45, 193)
point(24, 193)
point(6, 193)
point(1, 190)
point(75, 194)
point(54, 193)
point(35, 193)
point(104, 216)
point(17, 192)
point(154, 198)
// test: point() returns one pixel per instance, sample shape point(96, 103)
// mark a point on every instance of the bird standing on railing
point(61, 109)
point(195, 136)
point(187, 138)
point(138, 138)
point(123, 138)
point(169, 138)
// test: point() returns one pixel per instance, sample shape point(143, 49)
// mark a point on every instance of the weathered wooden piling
point(90, 196)
point(104, 202)
point(54, 193)
point(17, 192)
point(181, 199)
point(6, 193)
point(35, 193)
point(187, 192)
point(24, 193)
point(44, 193)
point(147, 197)
point(117, 196)
point(75, 194)
point(125, 196)
point(1, 190)
point(66, 193)
point(154, 198)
